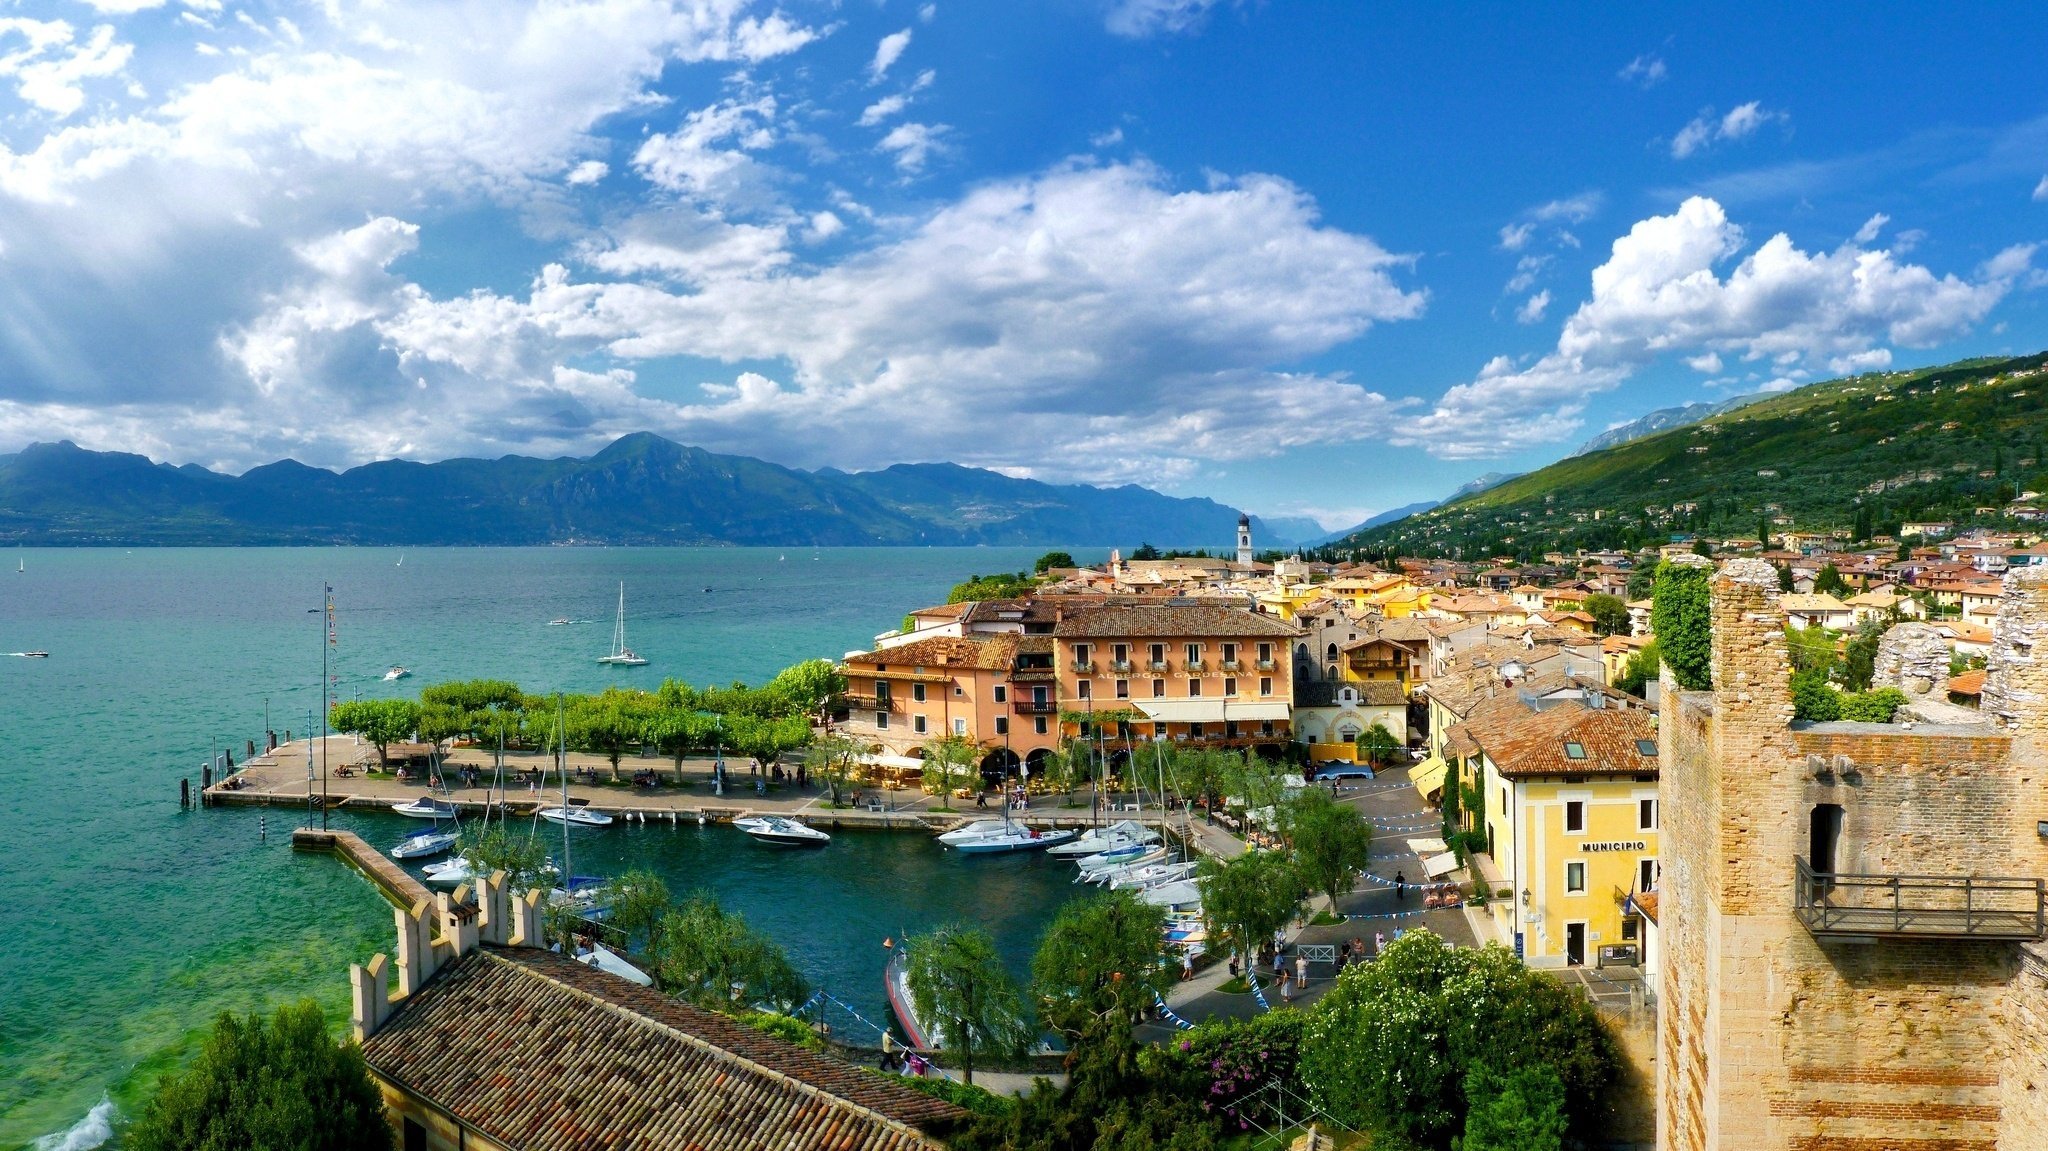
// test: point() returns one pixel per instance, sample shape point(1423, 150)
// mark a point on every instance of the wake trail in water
point(95, 1129)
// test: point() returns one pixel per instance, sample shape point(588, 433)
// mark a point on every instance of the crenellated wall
point(432, 934)
point(1773, 1037)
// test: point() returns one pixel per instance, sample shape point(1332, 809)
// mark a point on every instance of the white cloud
point(1871, 227)
point(1707, 362)
point(1141, 18)
point(706, 157)
point(1645, 71)
point(1526, 270)
point(887, 52)
point(1109, 139)
point(1515, 237)
point(1090, 322)
point(823, 226)
point(1572, 209)
point(1659, 294)
point(926, 13)
point(883, 109)
point(1532, 309)
point(913, 144)
point(49, 66)
point(588, 172)
point(1706, 129)
point(2041, 190)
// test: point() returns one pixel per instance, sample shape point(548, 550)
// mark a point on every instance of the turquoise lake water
point(129, 924)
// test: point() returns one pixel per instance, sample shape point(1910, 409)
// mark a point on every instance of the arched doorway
point(999, 765)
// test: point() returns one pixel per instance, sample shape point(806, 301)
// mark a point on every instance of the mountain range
point(1660, 420)
point(642, 489)
point(1962, 442)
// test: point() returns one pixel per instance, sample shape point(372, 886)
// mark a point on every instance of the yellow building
point(1284, 600)
point(1559, 776)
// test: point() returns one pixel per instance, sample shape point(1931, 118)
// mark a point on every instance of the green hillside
point(1861, 454)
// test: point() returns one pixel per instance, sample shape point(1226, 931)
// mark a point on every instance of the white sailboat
point(621, 655)
point(1120, 834)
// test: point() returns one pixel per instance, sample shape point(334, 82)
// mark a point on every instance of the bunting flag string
point(1167, 1014)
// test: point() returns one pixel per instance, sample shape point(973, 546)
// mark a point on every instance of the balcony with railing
point(1919, 906)
point(1120, 666)
point(1084, 666)
point(1195, 666)
point(1159, 667)
point(1231, 667)
point(871, 702)
point(1265, 665)
point(1036, 707)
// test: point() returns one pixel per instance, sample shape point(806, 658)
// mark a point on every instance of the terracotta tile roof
point(943, 651)
point(1969, 683)
point(1196, 621)
point(1381, 693)
point(1523, 741)
point(1646, 902)
point(541, 1053)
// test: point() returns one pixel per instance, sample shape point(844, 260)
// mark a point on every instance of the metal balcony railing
point(1084, 666)
point(1920, 906)
point(1232, 666)
point(1036, 706)
point(1195, 666)
point(871, 702)
point(1265, 665)
point(1120, 666)
point(1159, 667)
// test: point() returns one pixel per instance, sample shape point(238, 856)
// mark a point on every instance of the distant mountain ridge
point(642, 489)
point(1663, 419)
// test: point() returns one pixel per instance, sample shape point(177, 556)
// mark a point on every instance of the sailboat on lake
point(621, 655)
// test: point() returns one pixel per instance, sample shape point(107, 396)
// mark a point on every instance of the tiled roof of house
point(1821, 601)
point(541, 1053)
point(987, 652)
point(1527, 741)
point(1381, 693)
point(1170, 620)
point(1969, 683)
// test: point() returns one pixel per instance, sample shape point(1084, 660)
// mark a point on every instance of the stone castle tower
point(1852, 913)
point(1244, 539)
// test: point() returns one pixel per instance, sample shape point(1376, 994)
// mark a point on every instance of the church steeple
point(1244, 539)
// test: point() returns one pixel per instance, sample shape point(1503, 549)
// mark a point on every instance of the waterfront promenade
point(280, 780)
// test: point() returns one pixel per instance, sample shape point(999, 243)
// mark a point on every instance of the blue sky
point(1316, 259)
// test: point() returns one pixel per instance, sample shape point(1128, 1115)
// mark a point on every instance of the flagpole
point(326, 768)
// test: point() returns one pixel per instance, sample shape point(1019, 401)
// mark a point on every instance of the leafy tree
point(677, 730)
point(1859, 656)
point(831, 759)
point(1813, 697)
point(1810, 649)
point(1145, 552)
point(1610, 613)
point(489, 849)
point(283, 1082)
point(1332, 841)
point(711, 957)
point(1642, 667)
point(1520, 1110)
point(1099, 964)
point(804, 687)
point(766, 739)
point(1829, 581)
point(1786, 580)
point(1873, 706)
point(439, 722)
point(610, 723)
point(946, 758)
point(1389, 1047)
point(1681, 615)
point(957, 980)
point(1000, 586)
point(1051, 560)
point(1245, 900)
point(474, 695)
point(1377, 744)
point(381, 721)
point(1640, 583)
point(638, 900)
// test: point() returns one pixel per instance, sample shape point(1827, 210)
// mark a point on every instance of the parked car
point(1341, 770)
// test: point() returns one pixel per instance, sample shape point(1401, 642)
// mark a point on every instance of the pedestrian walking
point(1279, 964)
point(1286, 988)
point(1301, 971)
point(1400, 885)
point(1379, 943)
point(1187, 966)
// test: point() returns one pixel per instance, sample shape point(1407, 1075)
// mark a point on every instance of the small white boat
point(449, 873)
point(988, 836)
point(612, 963)
point(1116, 835)
point(560, 622)
point(1150, 875)
point(425, 844)
point(782, 832)
point(1146, 857)
point(33, 654)
point(1113, 858)
point(1179, 893)
point(397, 672)
point(622, 656)
point(575, 816)
point(425, 807)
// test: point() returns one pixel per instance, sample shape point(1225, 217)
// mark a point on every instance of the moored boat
point(1146, 857)
point(1099, 839)
point(397, 672)
point(425, 845)
point(425, 807)
point(782, 832)
point(1150, 875)
point(988, 836)
point(612, 963)
point(1114, 857)
point(574, 816)
point(448, 873)
point(1179, 893)
point(896, 984)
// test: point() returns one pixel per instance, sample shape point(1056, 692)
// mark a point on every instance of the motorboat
point(449, 873)
point(574, 816)
point(989, 836)
point(1098, 839)
point(560, 622)
point(1150, 875)
point(781, 831)
point(425, 807)
point(1146, 857)
point(612, 963)
point(896, 984)
point(34, 654)
point(621, 656)
point(1179, 893)
point(1114, 857)
point(426, 844)
point(397, 672)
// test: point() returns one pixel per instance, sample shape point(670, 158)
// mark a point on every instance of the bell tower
point(1244, 539)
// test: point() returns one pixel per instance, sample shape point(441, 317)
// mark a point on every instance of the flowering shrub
point(1230, 1063)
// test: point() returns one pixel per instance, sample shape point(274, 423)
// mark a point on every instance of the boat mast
point(562, 769)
